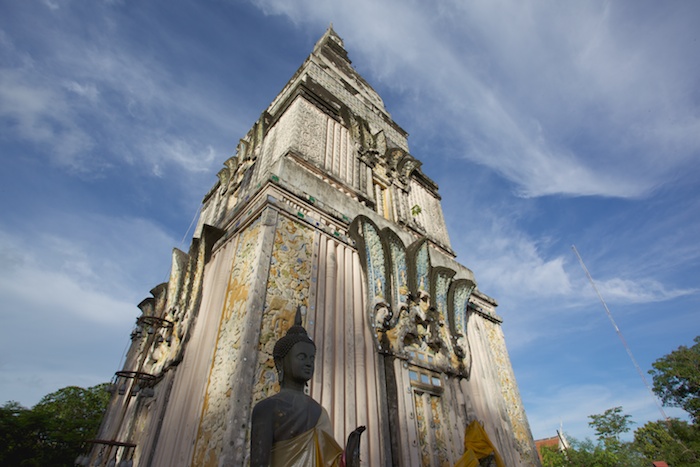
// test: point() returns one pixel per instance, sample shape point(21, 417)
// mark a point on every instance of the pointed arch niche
point(418, 312)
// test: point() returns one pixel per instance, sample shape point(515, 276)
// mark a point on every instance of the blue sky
point(545, 124)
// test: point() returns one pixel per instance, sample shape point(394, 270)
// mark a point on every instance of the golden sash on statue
point(314, 448)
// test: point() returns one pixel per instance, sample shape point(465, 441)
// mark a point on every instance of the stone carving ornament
point(415, 308)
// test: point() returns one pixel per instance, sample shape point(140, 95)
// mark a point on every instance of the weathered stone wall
point(322, 276)
point(377, 118)
point(511, 397)
point(430, 218)
point(182, 417)
point(229, 352)
point(491, 392)
point(288, 287)
point(304, 267)
point(320, 70)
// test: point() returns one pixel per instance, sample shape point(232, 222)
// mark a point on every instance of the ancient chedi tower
point(322, 209)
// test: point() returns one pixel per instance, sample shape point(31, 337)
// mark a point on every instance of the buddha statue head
point(294, 355)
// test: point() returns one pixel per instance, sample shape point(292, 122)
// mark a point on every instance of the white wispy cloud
point(87, 90)
point(190, 154)
point(84, 88)
point(88, 264)
point(537, 280)
point(70, 290)
point(40, 113)
point(512, 263)
point(516, 268)
point(645, 290)
point(52, 5)
point(518, 87)
point(63, 294)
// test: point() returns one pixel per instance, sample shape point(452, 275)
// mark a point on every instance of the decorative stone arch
point(375, 265)
point(413, 307)
point(458, 319)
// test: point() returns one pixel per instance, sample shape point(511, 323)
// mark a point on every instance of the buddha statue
point(290, 429)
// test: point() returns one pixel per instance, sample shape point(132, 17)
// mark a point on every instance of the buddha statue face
point(298, 364)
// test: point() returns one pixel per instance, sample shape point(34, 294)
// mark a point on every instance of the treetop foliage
point(610, 424)
point(677, 379)
point(54, 431)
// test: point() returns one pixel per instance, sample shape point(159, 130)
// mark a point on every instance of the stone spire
point(322, 212)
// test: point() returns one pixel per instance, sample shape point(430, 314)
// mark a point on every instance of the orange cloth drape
point(477, 445)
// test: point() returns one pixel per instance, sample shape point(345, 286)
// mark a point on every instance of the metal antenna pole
point(619, 333)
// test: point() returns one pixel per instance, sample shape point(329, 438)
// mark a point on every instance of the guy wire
point(619, 333)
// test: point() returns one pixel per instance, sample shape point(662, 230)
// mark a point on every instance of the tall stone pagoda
point(323, 210)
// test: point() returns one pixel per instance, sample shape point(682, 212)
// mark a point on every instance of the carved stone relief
point(418, 312)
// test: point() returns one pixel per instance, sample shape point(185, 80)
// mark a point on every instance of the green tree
point(608, 451)
point(19, 432)
point(675, 441)
point(677, 379)
point(54, 431)
point(587, 453)
point(610, 425)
